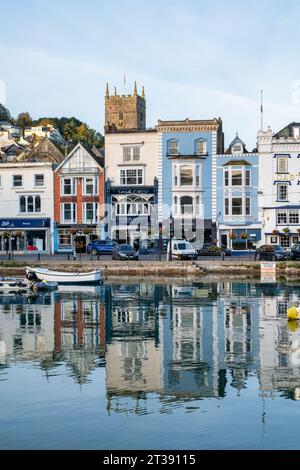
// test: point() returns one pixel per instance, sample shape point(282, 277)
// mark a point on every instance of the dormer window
point(173, 147)
point(296, 132)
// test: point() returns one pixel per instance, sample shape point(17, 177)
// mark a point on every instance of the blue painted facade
point(186, 142)
point(230, 222)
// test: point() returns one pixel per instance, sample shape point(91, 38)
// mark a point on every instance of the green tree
point(69, 130)
point(5, 114)
point(24, 120)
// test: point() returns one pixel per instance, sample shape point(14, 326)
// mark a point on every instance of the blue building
point(237, 171)
point(187, 152)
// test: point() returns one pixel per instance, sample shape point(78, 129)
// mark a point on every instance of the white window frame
point(35, 180)
point(95, 212)
point(175, 150)
point(228, 210)
point(126, 177)
point(193, 176)
point(293, 213)
point(18, 185)
point(228, 174)
point(26, 196)
point(200, 142)
point(284, 161)
point(131, 153)
point(95, 191)
point(279, 198)
point(73, 213)
point(73, 186)
point(281, 212)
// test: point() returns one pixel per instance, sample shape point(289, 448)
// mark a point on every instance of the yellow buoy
point(293, 313)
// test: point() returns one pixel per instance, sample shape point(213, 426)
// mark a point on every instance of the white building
point(26, 207)
point(131, 191)
point(279, 179)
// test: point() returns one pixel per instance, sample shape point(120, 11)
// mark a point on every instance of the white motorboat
point(62, 277)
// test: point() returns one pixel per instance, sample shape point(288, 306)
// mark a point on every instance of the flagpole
point(262, 110)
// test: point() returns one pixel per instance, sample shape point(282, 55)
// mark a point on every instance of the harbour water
point(142, 366)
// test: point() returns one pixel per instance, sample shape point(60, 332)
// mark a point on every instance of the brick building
point(78, 199)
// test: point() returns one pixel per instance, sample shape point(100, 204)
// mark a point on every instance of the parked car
point(101, 247)
point(272, 253)
point(125, 252)
point(295, 252)
point(181, 249)
point(209, 249)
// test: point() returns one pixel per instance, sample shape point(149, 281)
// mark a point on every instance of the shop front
point(70, 237)
point(25, 235)
point(239, 238)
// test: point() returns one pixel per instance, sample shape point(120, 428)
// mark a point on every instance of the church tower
point(125, 112)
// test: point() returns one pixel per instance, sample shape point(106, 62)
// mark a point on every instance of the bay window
point(236, 178)
point(237, 206)
point(186, 176)
point(134, 176)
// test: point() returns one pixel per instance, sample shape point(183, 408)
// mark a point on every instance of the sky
point(197, 59)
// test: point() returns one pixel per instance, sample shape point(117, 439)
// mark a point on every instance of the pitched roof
point(98, 160)
point(236, 141)
point(45, 150)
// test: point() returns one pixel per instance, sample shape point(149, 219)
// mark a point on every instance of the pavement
point(236, 258)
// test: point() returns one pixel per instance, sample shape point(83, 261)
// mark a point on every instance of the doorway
point(80, 243)
point(224, 240)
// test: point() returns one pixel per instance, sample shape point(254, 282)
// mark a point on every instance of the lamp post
point(171, 236)
point(11, 241)
point(79, 233)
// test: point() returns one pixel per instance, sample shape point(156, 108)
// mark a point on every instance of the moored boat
point(62, 277)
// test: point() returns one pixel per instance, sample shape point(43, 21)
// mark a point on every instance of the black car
point(295, 251)
point(272, 253)
point(125, 252)
point(209, 249)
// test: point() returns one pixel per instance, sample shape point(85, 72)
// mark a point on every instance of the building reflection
point(181, 343)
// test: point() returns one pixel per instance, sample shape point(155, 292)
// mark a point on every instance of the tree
point(24, 120)
point(5, 114)
point(69, 130)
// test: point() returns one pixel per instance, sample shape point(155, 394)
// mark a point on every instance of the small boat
point(13, 286)
point(21, 286)
point(61, 277)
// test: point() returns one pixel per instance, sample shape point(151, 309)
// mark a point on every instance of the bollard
point(223, 255)
point(39, 256)
point(68, 257)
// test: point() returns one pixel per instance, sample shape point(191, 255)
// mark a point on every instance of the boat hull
point(92, 277)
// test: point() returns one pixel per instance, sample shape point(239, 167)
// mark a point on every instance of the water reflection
point(181, 343)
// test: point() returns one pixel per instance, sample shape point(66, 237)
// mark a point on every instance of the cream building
point(279, 179)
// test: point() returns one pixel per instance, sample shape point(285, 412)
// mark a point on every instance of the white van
point(181, 249)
